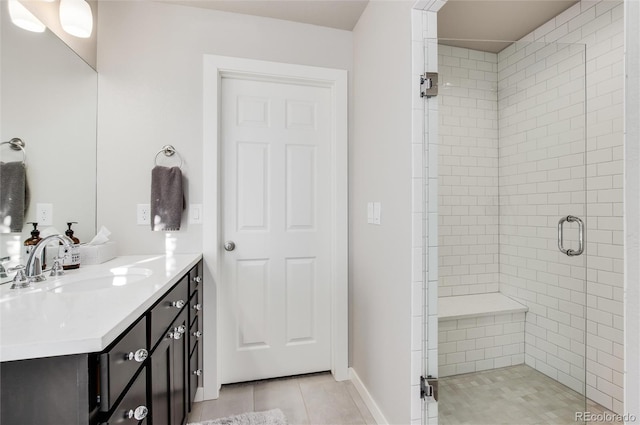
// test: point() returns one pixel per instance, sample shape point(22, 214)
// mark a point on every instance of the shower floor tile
point(512, 395)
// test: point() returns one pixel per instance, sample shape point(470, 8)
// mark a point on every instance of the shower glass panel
point(511, 147)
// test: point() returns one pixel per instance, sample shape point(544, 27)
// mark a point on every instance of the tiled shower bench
point(479, 332)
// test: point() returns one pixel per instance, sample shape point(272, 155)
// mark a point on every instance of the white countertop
point(88, 308)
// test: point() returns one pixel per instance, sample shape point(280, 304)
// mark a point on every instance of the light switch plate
point(376, 213)
point(370, 212)
point(195, 213)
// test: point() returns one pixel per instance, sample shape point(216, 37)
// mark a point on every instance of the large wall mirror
point(49, 100)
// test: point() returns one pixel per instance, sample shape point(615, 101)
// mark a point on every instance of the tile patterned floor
point(515, 395)
point(306, 400)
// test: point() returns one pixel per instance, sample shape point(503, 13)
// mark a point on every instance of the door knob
point(229, 246)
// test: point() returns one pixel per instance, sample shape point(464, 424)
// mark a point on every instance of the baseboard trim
point(366, 397)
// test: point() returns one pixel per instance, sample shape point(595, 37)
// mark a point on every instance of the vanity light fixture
point(24, 19)
point(76, 17)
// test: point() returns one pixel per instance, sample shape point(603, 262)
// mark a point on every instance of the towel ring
point(168, 151)
point(17, 145)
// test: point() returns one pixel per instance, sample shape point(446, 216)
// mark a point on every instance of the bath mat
point(270, 417)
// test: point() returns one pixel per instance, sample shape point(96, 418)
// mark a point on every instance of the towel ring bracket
point(168, 151)
point(17, 144)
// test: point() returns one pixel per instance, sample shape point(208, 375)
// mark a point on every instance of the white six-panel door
point(275, 291)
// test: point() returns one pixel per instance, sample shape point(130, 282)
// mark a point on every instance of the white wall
point(380, 170)
point(468, 171)
point(150, 94)
point(150, 61)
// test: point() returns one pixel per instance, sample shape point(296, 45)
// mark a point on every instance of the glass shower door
point(511, 143)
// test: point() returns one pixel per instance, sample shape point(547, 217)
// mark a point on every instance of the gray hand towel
point(14, 196)
point(167, 198)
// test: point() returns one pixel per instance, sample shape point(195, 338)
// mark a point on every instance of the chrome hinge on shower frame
point(429, 387)
point(429, 84)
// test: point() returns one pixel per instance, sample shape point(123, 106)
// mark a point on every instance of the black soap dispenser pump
point(30, 244)
point(70, 258)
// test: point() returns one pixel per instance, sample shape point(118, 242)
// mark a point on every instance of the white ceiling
point(494, 20)
point(458, 19)
point(340, 14)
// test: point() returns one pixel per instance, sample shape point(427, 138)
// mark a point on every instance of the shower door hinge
point(429, 84)
point(429, 387)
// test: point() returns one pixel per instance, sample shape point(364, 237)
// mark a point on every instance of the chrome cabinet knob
point(138, 414)
point(229, 245)
point(197, 307)
point(182, 329)
point(176, 333)
point(197, 334)
point(197, 279)
point(178, 304)
point(197, 372)
point(140, 355)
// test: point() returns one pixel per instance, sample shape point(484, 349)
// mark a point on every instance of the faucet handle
point(20, 280)
point(56, 269)
point(3, 271)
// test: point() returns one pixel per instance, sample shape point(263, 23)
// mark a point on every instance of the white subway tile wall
point(429, 137)
point(468, 170)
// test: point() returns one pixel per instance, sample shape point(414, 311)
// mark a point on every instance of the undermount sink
point(117, 277)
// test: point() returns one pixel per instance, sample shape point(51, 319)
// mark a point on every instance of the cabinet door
point(179, 373)
point(168, 375)
point(161, 369)
point(194, 372)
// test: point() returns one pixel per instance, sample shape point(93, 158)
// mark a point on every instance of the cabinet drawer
point(134, 403)
point(195, 306)
point(167, 309)
point(195, 333)
point(121, 362)
point(195, 278)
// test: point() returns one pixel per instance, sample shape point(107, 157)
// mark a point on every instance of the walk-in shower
point(529, 223)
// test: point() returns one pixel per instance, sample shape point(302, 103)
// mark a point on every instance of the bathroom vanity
point(116, 343)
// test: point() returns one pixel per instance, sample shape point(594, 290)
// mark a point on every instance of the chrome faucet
point(34, 263)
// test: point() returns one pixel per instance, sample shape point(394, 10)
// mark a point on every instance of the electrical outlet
point(144, 213)
point(44, 214)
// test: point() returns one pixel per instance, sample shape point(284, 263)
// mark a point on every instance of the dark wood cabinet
point(147, 376)
point(168, 375)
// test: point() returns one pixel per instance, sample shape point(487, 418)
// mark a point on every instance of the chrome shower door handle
point(571, 252)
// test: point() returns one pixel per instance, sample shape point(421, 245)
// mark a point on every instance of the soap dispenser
point(30, 244)
point(70, 258)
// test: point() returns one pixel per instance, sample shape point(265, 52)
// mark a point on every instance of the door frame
point(214, 69)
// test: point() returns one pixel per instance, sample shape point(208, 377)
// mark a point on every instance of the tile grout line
point(364, 421)
point(304, 402)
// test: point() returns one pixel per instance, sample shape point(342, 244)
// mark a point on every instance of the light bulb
point(76, 18)
point(24, 19)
